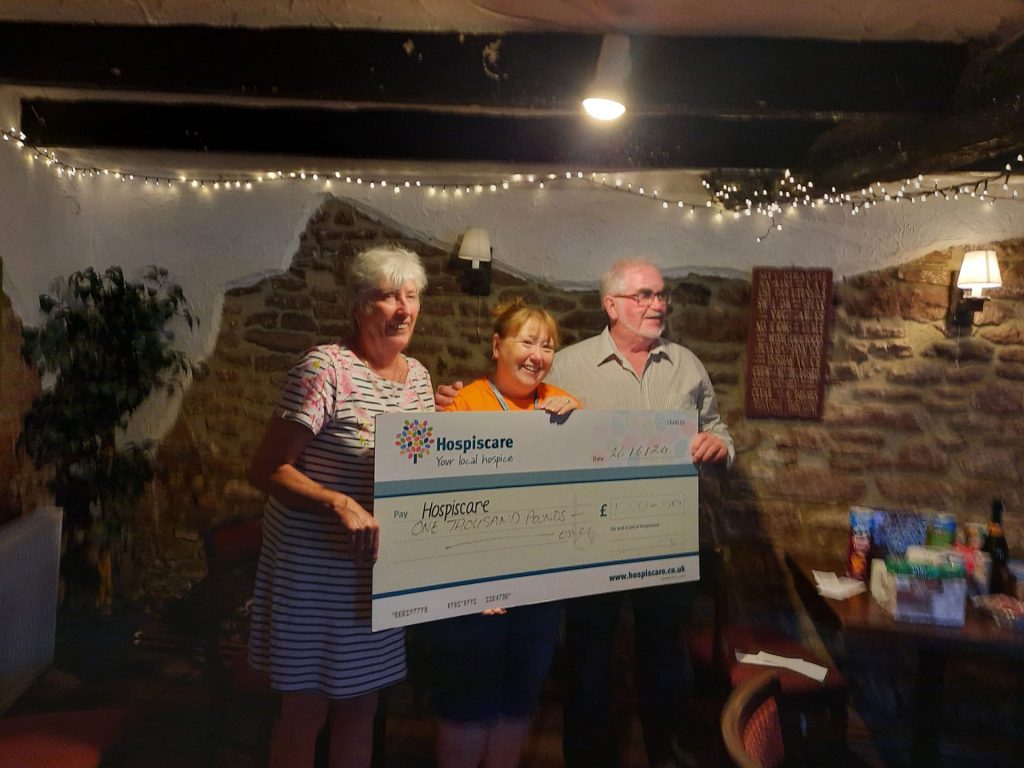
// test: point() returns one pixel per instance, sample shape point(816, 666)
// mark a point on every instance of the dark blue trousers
point(663, 673)
point(489, 667)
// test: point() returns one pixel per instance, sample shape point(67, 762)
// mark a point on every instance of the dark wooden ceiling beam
point(695, 76)
point(993, 77)
point(843, 113)
point(638, 142)
point(861, 152)
point(985, 131)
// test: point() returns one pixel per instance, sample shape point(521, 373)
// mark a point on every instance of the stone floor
point(179, 720)
point(182, 720)
point(142, 661)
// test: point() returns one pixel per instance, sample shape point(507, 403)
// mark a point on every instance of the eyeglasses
point(645, 298)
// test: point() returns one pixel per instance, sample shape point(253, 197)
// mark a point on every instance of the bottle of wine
point(998, 550)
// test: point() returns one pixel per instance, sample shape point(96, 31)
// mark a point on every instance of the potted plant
point(105, 345)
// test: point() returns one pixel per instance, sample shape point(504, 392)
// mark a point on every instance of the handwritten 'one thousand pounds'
point(493, 510)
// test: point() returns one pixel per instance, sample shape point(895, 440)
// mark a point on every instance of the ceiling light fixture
point(606, 98)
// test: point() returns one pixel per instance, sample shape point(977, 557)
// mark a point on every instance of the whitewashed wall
point(566, 234)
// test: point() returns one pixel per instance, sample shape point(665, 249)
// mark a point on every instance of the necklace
point(397, 370)
point(390, 391)
point(398, 373)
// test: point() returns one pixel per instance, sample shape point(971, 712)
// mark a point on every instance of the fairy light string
point(724, 201)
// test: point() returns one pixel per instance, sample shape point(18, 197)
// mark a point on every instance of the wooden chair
point(713, 653)
point(232, 548)
point(751, 729)
point(242, 697)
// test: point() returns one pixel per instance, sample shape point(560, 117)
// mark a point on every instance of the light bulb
point(604, 109)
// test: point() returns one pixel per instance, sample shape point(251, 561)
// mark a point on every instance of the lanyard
point(501, 400)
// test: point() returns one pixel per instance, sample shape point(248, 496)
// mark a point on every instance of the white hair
point(614, 280)
point(383, 266)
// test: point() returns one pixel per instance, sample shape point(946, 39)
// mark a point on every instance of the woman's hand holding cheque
point(559, 405)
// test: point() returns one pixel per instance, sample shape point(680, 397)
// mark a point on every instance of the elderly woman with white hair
point(311, 606)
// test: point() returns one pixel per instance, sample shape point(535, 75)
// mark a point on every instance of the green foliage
point(106, 345)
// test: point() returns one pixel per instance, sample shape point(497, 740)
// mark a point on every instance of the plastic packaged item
point(860, 543)
point(940, 557)
point(930, 592)
point(1007, 611)
point(974, 534)
point(1017, 577)
point(893, 531)
point(978, 565)
point(941, 530)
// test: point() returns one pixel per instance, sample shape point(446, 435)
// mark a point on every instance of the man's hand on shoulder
point(445, 394)
point(706, 448)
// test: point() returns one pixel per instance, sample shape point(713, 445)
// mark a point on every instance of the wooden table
point(862, 618)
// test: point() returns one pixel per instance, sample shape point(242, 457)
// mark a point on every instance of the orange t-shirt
point(477, 396)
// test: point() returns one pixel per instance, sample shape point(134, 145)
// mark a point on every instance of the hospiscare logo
point(415, 440)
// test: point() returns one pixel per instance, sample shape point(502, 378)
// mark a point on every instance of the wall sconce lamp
point(978, 271)
point(476, 251)
point(606, 97)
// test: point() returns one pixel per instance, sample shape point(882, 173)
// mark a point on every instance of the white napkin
point(837, 587)
point(804, 667)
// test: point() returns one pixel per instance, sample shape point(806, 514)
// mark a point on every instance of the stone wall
point(918, 415)
point(915, 417)
point(22, 488)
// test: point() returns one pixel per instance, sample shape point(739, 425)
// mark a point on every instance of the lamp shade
point(605, 98)
point(476, 246)
point(979, 270)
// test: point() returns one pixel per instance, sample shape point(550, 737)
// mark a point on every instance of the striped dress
point(310, 627)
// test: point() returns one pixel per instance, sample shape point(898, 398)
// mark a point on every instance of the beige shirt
point(600, 377)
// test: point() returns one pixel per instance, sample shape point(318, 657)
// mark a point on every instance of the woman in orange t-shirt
point(523, 346)
point(492, 666)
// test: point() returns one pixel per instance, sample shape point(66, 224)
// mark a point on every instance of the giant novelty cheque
point(492, 510)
